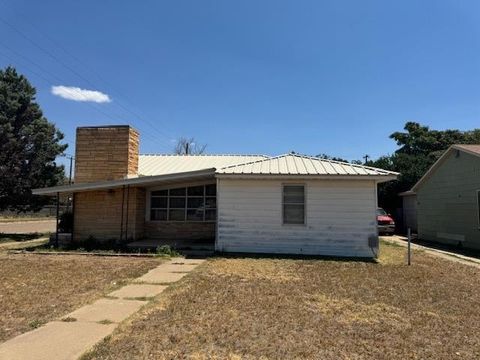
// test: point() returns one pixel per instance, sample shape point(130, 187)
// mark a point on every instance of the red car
point(385, 223)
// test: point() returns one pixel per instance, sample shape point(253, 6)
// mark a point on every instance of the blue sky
point(268, 77)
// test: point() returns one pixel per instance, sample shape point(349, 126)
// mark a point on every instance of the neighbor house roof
point(295, 164)
point(149, 165)
point(470, 149)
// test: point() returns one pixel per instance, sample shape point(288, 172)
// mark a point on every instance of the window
point(194, 203)
point(294, 204)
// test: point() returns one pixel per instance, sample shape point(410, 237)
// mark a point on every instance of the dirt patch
point(36, 289)
point(314, 309)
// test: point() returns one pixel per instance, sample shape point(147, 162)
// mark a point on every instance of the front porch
point(186, 247)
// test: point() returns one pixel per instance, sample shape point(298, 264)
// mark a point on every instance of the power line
point(49, 82)
point(79, 75)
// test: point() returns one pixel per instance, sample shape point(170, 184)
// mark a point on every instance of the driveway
point(25, 227)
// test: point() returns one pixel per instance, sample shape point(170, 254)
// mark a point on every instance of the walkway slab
point(56, 340)
point(138, 291)
point(160, 276)
point(59, 340)
point(107, 309)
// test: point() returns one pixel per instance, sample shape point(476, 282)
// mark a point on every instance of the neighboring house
point(409, 211)
point(447, 198)
point(241, 203)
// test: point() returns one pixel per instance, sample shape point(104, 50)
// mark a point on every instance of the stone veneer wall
point(99, 214)
point(105, 153)
point(171, 230)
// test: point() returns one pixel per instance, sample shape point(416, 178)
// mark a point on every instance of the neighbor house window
point(294, 204)
point(193, 203)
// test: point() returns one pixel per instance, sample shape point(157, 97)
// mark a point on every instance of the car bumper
point(386, 229)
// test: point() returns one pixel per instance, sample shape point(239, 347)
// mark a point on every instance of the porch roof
point(138, 181)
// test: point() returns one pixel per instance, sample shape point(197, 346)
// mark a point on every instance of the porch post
point(57, 219)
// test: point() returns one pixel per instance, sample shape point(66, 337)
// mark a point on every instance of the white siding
point(340, 218)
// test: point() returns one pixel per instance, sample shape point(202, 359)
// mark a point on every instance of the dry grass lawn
point(35, 289)
point(313, 309)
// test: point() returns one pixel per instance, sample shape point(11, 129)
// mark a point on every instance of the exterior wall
point(105, 153)
point(410, 212)
point(447, 202)
point(177, 230)
point(99, 214)
point(340, 218)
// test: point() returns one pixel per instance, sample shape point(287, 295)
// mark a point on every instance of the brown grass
point(35, 289)
point(313, 309)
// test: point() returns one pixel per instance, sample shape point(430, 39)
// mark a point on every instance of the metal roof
point(471, 149)
point(296, 164)
point(149, 165)
point(138, 181)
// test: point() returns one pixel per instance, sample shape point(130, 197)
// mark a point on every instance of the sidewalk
point(68, 338)
point(451, 256)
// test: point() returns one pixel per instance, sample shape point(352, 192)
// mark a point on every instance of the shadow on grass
point(293, 257)
point(457, 249)
point(5, 237)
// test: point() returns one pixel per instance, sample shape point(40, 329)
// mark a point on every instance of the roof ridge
point(303, 156)
point(252, 162)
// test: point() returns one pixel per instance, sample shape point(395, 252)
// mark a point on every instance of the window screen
point(294, 204)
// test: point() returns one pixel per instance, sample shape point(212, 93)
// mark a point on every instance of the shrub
point(165, 250)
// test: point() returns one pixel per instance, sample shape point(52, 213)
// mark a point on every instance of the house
point(240, 203)
point(409, 211)
point(447, 198)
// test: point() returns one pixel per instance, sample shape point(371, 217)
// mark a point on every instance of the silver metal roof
point(295, 164)
point(149, 165)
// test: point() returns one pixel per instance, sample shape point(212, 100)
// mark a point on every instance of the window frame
point(204, 197)
point(304, 185)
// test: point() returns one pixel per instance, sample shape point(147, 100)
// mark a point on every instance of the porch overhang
point(138, 181)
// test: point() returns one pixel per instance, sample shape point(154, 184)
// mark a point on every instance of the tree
point(329, 157)
point(186, 146)
point(419, 148)
point(29, 144)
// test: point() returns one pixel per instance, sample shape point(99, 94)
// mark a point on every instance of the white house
point(288, 204)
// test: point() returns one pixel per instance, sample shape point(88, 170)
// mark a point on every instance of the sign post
point(409, 234)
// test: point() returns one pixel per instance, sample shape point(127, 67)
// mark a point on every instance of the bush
point(165, 250)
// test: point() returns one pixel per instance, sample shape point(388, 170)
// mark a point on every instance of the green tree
point(419, 148)
point(29, 144)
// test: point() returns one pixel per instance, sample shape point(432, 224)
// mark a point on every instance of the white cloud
point(77, 94)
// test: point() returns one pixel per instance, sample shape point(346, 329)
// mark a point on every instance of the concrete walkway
point(77, 332)
point(447, 255)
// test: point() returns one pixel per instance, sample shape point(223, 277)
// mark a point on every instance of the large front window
point(193, 203)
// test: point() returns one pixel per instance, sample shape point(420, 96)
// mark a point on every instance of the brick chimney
point(106, 153)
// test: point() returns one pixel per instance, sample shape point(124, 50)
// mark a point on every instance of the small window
point(294, 204)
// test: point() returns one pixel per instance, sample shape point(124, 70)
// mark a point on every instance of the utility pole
point(366, 157)
point(71, 158)
point(70, 173)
